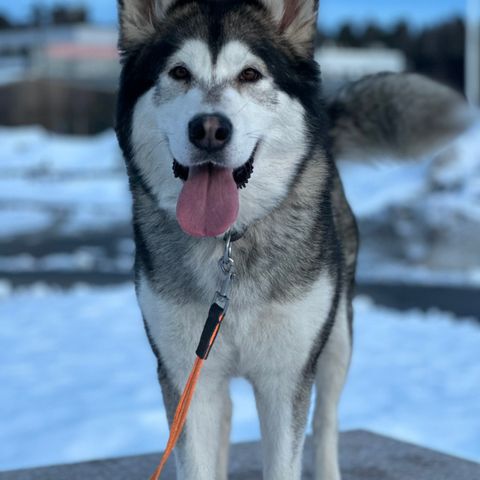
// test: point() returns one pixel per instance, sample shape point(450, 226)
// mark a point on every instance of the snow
point(373, 187)
point(29, 150)
point(76, 366)
point(81, 260)
point(17, 221)
point(451, 181)
point(60, 184)
point(419, 220)
point(80, 381)
point(400, 273)
point(415, 376)
point(413, 214)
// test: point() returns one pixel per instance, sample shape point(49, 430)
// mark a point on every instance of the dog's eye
point(180, 73)
point(250, 75)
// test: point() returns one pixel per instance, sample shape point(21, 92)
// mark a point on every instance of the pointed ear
point(297, 21)
point(138, 20)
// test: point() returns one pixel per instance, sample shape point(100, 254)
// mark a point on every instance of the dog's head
point(218, 105)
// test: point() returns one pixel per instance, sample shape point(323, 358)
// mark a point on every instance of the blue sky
point(333, 12)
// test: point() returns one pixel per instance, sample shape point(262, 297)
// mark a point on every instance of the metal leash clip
point(227, 269)
point(220, 302)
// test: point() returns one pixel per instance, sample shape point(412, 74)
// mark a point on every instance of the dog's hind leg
point(331, 372)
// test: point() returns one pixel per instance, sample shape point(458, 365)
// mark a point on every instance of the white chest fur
point(256, 339)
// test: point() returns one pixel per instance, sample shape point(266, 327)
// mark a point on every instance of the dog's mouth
point(241, 175)
point(209, 204)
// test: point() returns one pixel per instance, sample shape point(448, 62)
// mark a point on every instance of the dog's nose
point(210, 132)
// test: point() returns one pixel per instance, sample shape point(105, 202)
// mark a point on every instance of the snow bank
point(420, 220)
point(59, 184)
point(79, 382)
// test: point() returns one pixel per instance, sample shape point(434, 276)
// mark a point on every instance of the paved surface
point(365, 456)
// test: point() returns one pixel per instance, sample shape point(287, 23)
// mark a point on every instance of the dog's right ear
point(139, 19)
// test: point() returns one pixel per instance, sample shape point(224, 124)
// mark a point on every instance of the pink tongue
point(208, 204)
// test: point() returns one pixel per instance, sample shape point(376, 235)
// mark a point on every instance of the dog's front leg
point(283, 411)
point(202, 450)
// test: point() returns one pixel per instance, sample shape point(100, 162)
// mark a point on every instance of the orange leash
point(180, 416)
point(210, 332)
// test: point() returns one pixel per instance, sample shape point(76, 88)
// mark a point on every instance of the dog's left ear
point(297, 21)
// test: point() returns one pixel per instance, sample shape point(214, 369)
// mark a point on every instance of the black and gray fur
point(290, 321)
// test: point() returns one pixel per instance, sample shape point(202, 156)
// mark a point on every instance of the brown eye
point(250, 75)
point(180, 73)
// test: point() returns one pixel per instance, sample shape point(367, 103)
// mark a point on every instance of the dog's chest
point(271, 337)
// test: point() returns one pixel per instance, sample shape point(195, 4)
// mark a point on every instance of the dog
point(224, 129)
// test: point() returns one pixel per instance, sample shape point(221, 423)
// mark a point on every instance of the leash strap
point(210, 331)
point(212, 326)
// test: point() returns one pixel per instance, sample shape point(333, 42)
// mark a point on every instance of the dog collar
point(235, 235)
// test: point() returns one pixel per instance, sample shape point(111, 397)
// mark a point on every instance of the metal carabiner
point(227, 269)
point(227, 265)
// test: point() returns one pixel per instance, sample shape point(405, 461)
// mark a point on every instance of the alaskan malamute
point(224, 130)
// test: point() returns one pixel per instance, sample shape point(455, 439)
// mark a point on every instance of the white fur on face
point(260, 113)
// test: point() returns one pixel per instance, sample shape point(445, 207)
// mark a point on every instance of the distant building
point(340, 64)
point(62, 77)
point(78, 53)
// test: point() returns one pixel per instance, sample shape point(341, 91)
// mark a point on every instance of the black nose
point(210, 132)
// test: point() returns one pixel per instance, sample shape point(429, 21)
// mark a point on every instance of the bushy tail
point(400, 116)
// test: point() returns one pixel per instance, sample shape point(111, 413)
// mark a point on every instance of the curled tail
point(400, 116)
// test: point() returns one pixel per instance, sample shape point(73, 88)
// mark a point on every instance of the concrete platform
point(365, 456)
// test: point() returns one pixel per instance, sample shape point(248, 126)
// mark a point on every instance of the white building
point(340, 64)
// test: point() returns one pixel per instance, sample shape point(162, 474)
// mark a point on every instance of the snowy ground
point(54, 184)
point(81, 260)
point(420, 220)
point(76, 366)
point(79, 381)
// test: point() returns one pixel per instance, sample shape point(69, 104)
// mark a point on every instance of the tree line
point(437, 51)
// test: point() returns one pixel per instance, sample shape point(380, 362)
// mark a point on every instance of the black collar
point(236, 235)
